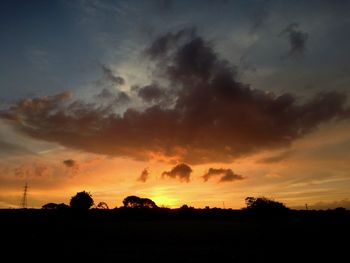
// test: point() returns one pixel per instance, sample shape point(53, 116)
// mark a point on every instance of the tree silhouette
point(148, 203)
point(62, 206)
point(102, 205)
point(81, 201)
point(133, 201)
point(264, 204)
point(54, 206)
point(184, 207)
point(50, 206)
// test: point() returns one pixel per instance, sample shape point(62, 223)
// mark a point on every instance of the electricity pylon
point(24, 197)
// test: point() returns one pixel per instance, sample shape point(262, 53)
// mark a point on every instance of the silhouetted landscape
point(264, 231)
point(174, 131)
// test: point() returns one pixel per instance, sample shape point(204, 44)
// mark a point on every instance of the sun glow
point(165, 201)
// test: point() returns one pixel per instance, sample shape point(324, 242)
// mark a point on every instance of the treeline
point(83, 201)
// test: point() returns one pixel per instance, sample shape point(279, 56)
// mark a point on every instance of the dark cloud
point(22, 171)
point(229, 177)
point(226, 175)
point(69, 163)
point(181, 171)
point(72, 165)
point(109, 84)
point(276, 158)
point(164, 44)
point(33, 170)
point(122, 97)
point(42, 170)
point(113, 97)
point(110, 77)
point(151, 93)
point(209, 116)
point(297, 39)
point(105, 94)
point(143, 176)
point(8, 149)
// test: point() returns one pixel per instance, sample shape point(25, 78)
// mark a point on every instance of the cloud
point(108, 76)
point(209, 116)
point(42, 170)
point(9, 149)
point(151, 93)
point(227, 175)
point(230, 176)
point(113, 97)
point(69, 163)
point(33, 170)
point(110, 94)
point(276, 158)
point(297, 39)
point(164, 44)
point(72, 165)
point(181, 171)
point(144, 176)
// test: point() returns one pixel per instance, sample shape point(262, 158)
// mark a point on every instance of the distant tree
point(54, 206)
point(133, 201)
point(264, 204)
point(340, 210)
point(50, 206)
point(184, 207)
point(62, 206)
point(148, 203)
point(81, 201)
point(102, 205)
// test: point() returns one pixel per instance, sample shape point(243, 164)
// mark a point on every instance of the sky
point(201, 103)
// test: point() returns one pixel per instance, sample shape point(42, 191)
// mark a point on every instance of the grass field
point(111, 237)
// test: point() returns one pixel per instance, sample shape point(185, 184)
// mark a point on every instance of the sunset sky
point(185, 102)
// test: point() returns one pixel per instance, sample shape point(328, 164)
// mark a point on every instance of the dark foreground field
point(133, 236)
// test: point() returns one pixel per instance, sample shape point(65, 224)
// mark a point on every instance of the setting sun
point(160, 197)
point(163, 201)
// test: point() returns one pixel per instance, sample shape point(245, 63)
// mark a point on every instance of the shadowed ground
point(125, 236)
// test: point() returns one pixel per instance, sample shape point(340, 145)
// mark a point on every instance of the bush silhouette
point(50, 206)
point(137, 202)
point(102, 205)
point(183, 207)
point(62, 206)
point(54, 206)
point(81, 201)
point(264, 204)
